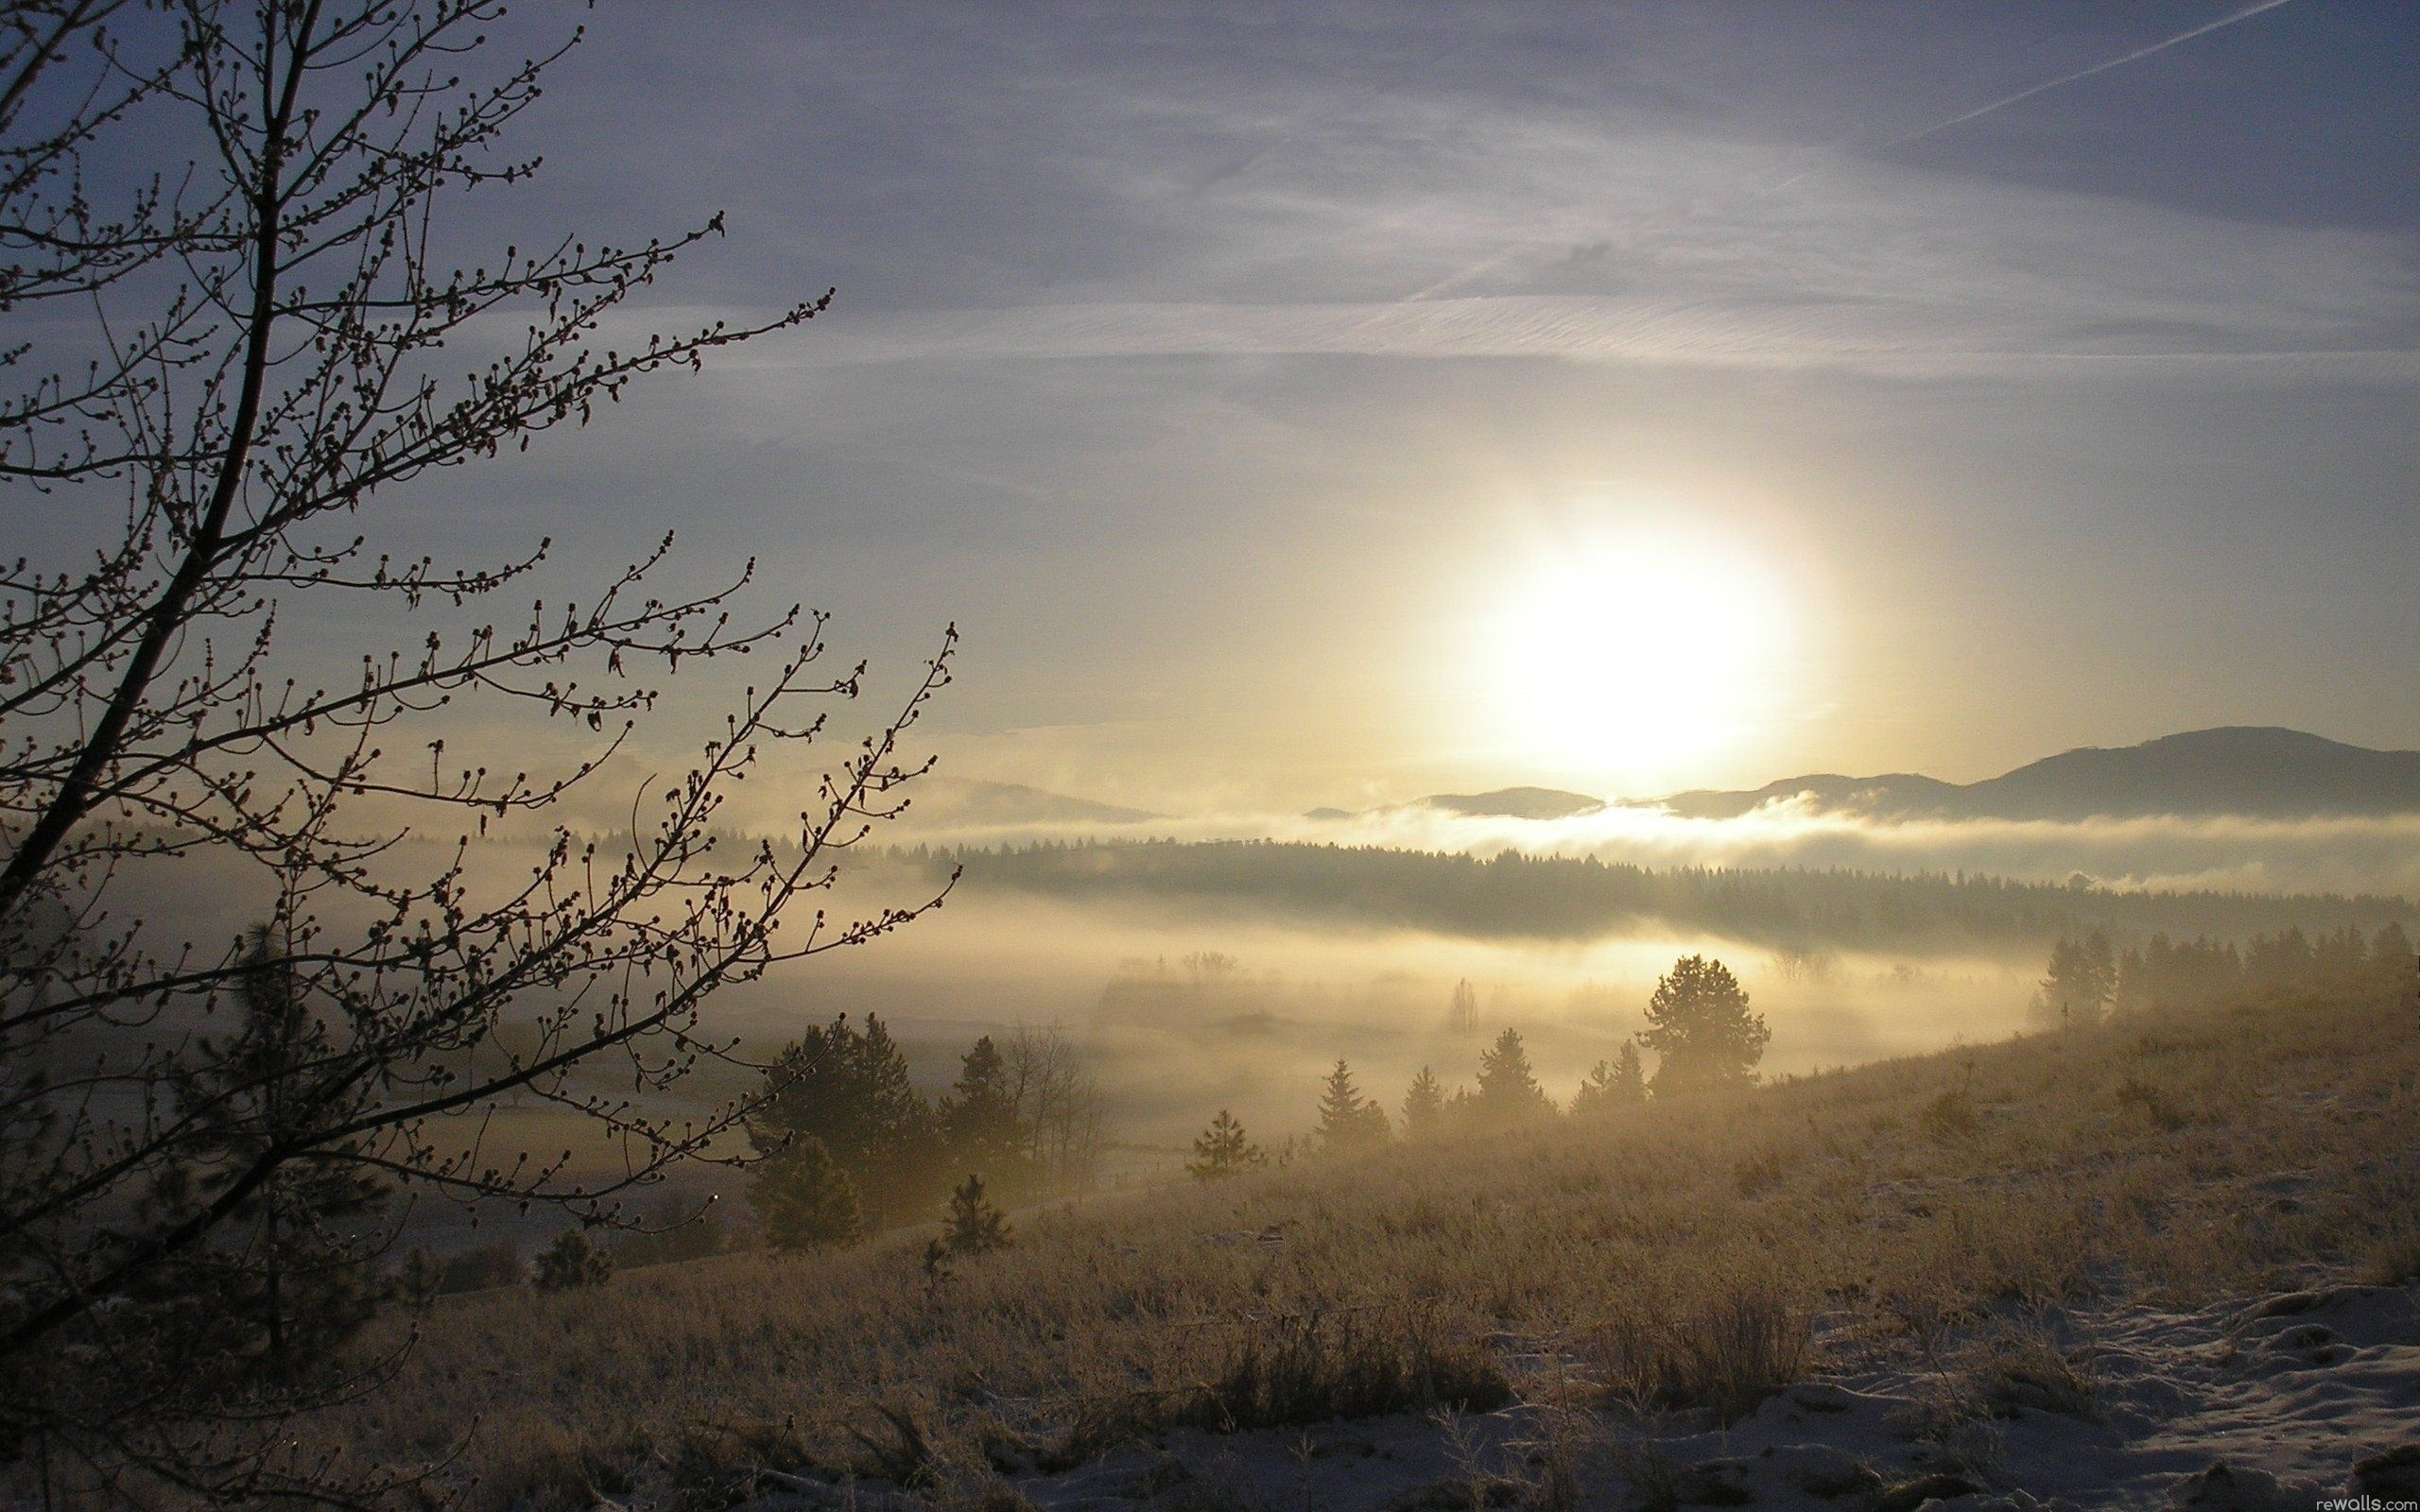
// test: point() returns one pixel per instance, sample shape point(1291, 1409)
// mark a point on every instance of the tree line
point(2087, 978)
point(1792, 910)
point(1699, 1025)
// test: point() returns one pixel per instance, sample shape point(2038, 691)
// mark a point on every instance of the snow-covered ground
point(2289, 1400)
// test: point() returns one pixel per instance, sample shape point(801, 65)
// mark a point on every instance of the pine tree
point(1509, 1093)
point(1701, 1028)
point(570, 1263)
point(1617, 1083)
point(802, 1198)
point(850, 1089)
point(1222, 1151)
point(974, 1226)
point(1630, 1076)
point(293, 1274)
point(979, 1119)
point(1424, 1106)
point(2082, 980)
point(1349, 1123)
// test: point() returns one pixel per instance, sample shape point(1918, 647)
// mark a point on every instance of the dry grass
point(1632, 1247)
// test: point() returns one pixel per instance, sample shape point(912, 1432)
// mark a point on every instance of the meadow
point(1966, 1248)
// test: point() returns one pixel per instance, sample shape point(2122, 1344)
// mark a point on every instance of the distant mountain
point(2256, 771)
point(1503, 803)
point(1515, 804)
point(950, 801)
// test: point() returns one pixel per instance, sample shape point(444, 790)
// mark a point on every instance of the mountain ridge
point(2255, 771)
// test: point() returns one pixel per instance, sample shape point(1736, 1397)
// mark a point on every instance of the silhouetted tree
point(570, 1263)
point(804, 1200)
point(974, 1226)
point(2082, 980)
point(1618, 1083)
point(979, 1119)
point(1058, 1105)
point(1462, 1017)
point(1701, 1029)
point(1222, 1151)
point(850, 1089)
point(1349, 1123)
point(1424, 1106)
point(237, 319)
point(1509, 1093)
point(290, 1271)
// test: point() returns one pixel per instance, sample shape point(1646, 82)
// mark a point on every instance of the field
point(2012, 1268)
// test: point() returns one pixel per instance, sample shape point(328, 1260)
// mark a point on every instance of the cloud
point(1458, 229)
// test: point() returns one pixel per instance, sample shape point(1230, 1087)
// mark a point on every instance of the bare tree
point(1058, 1105)
point(225, 258)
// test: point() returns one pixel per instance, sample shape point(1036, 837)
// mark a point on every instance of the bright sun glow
point(1636, 652)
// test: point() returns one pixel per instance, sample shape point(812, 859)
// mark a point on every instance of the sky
point(1303, 404)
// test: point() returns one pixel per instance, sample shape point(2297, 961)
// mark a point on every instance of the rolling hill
point(2255, 771)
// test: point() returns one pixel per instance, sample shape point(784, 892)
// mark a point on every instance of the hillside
point(2084, 1266)
point(2246, 770)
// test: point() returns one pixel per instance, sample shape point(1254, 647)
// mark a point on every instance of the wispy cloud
point(2079, 75)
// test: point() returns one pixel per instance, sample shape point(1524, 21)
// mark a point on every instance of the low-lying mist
point(1184, 1019)
point(2353, 853)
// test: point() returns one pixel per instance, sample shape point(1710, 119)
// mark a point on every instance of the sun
point(1634, 652)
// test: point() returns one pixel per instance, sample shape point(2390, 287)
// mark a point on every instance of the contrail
point(2102, 67)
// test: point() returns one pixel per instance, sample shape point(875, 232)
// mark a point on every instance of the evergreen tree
point(1617, 1083)
point(973, 1224)
point(979, 1121)
point(1509, 1093)
point(2101, 970)
point(2394, 970)
point(1701, 1028)
point(1424, 1106)
point(1222, 1151)
point(570, 1263)
point(850, 1089)
point(2081, 980)
point(1349, 1123)
point(802, 1198)
point(1630, 1075)
point(292, 1276)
